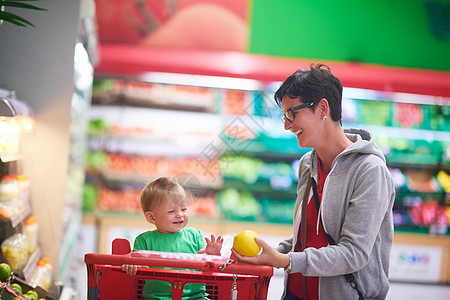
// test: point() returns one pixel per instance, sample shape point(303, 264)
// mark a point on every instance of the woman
point(343, 230)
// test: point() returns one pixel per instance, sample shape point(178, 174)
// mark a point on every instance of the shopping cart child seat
point(224, 278)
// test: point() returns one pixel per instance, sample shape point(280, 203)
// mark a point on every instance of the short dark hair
point(311, 85)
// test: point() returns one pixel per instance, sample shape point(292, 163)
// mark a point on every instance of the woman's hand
point(268, 256)
point(213, 246)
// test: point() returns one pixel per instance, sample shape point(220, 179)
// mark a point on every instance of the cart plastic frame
point(107, 281)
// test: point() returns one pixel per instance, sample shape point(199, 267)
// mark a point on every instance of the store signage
point(415, 263)
point(198, 24)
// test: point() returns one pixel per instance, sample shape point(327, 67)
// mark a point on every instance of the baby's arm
point(213, 245)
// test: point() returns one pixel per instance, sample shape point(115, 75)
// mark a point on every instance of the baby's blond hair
point(160, 189)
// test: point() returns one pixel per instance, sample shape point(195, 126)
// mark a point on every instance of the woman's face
point(305, 125)
point(170, 216)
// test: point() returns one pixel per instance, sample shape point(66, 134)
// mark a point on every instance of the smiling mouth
point(297, 132)
point(179, 222)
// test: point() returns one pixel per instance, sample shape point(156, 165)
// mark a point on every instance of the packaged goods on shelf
point(42, 274)
point(148, 93)
point(24, 186)
point(9, 136)
point(30, 229)
point(10, 196)
point(15, 251)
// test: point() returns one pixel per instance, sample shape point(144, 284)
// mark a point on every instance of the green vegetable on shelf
point(90, 194)
point(240, 205)
point(97, 127)
point(97, 159)
point(103, 84)
point(241, 167)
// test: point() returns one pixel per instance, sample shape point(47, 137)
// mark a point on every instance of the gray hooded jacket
point(356, 210)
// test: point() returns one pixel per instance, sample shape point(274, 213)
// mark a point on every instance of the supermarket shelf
point(31, 264)
point(407, 133)
point(146, 101)
point(261, 187)
point(265, 147)
point(439, 196)
point(415, 160)
point(419, 231)
point(143, 180)
point(8, 157)
point(149, 147)
point(20, 216)
point(68, 241)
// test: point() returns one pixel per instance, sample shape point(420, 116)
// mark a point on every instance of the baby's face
point(170, 215)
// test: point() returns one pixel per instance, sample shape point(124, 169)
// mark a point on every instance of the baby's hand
point(130, 269)
point(213, 245)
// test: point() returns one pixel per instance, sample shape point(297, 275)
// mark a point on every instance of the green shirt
point(187, 240)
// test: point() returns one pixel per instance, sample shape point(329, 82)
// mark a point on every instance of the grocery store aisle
point(397, 291)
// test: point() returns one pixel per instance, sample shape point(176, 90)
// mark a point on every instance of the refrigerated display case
point(19, 236)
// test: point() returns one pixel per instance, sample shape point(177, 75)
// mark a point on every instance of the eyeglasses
point(289, 114)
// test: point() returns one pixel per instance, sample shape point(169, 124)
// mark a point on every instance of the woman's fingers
point(268, 255)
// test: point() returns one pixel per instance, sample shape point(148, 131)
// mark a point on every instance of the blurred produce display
point(422, 202)
point(240, 206)
point(12, 287)
point(244, 163)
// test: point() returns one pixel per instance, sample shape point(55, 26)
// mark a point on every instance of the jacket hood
point(363, 143)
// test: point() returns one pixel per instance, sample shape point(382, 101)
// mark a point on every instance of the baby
point(164, 205)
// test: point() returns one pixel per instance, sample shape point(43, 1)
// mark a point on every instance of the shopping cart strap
point(177, 256)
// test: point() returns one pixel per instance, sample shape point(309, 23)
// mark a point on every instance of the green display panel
point(403, 33)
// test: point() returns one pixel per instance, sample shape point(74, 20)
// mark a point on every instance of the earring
point(324, 118)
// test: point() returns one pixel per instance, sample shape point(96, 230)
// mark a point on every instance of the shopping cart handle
point(202, 262)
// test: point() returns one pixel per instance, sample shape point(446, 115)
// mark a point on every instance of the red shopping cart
point(223, 278)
